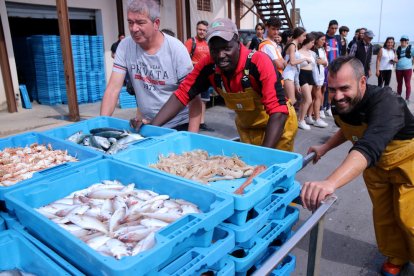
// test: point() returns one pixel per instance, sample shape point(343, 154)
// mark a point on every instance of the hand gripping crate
point(245, 256)
point(272, 207)
point(281, 166)
point(189, 231)
point(85, 126)
point(17, 252)
point(26, 139)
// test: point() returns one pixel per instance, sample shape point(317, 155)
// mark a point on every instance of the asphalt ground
point(349, 246)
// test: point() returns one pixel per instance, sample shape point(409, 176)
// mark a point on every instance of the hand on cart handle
point(319, 151)
point(315, 192)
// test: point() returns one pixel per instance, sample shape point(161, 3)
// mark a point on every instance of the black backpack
point(407, 52)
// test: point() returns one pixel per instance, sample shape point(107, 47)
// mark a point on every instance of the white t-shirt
point(387, 55)
point(154, 77)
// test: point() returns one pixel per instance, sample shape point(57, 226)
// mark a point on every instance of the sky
point(397, 16)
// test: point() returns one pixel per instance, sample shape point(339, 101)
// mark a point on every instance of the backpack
point(407, 52)
point(193, 46)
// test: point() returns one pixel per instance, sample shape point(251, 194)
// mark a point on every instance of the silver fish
point(87, 222)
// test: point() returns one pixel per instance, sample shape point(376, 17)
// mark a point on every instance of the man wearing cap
point(249, 85)
point(362, 50)
point(403, 70)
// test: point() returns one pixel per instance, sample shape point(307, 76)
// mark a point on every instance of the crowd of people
point(320, 74)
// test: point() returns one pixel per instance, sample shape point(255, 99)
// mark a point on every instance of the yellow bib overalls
point(251, 118)
point(390, 186)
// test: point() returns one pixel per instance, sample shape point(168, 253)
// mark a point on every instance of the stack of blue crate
point(96, 74)
point(126, 100)
point(47, 58)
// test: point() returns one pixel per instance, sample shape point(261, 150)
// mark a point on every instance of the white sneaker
point(309, 120)
point(322, 114)
point(303, 125)
point(328, 112)
point(320, 123)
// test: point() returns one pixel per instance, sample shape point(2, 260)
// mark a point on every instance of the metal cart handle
point(315, 243)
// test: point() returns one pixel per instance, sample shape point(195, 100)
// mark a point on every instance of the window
point(204, 5)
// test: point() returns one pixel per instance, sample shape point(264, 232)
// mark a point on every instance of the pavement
point(349, 246)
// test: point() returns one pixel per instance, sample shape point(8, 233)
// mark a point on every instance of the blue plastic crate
point(284, 268)
point(26, 139)
point(17, 252)
point(198, 260)
point(148, 131)
point(271, 208)
point(282, 166)
point(2, 224)
point(274, 231)
point(189, 231)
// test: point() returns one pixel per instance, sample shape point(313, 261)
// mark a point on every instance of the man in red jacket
point(249, 85)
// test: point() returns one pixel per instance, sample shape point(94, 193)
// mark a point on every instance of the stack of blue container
point(48, 66)
point(89, 69)
point(233, 236)
point(126, 100)
point(96, 74)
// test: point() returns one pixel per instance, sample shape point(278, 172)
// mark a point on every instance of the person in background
point(115, 44)
point(247, 81)
point(386, 59)
point(362, 50)
point(157, 63)
point(306, 79)
point(269, 46)
point(333, 50)
point(343, 32)
point(318, 89)
point(168, 32)
point(293, 59)
point(381, 128)
point(286, 38)
point(278, 40)
point(404, 67)
point(197, 47)
point(354, 39)
point(254, 43)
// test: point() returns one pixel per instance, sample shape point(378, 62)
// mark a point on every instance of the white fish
point(98, 241)
point(88, 222)
point(144, 244)
point(54, 207)
point(151, 223)
point(166, 217)
point(116, 218)
point(117, 248)
point(134, 236)
point(106, 210)
point(126, 229)
point(189, 209)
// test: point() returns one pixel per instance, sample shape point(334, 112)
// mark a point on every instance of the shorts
point(306, 77)
point(290, 72)
point(205, 95)
point(318, 77)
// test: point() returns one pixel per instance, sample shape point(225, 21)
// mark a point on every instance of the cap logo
point(217, 24)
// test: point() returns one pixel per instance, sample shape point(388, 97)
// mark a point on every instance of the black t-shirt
point(388, 118)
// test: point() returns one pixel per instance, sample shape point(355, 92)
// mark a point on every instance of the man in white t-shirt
point(157, 63)
point(269, 45)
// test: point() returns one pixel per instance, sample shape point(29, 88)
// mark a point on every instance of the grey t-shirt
point(154, 77)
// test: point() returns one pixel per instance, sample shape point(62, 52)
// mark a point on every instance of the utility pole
point(380, 19)
point(294, 14)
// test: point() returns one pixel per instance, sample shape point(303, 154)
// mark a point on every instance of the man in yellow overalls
point(381, 128)
point(249, 85)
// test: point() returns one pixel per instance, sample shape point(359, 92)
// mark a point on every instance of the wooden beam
point(5, 72)
point(179, 19)
point(187, 19)
point(237, 12)
point(229, 8)
point(64, 31)
point(120, 16)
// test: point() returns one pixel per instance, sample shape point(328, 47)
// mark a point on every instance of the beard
point(351, 103)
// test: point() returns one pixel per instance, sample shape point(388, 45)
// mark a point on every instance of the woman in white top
point(306, 80)
point(385, 62)
point(319, 76)
point(291, 71)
